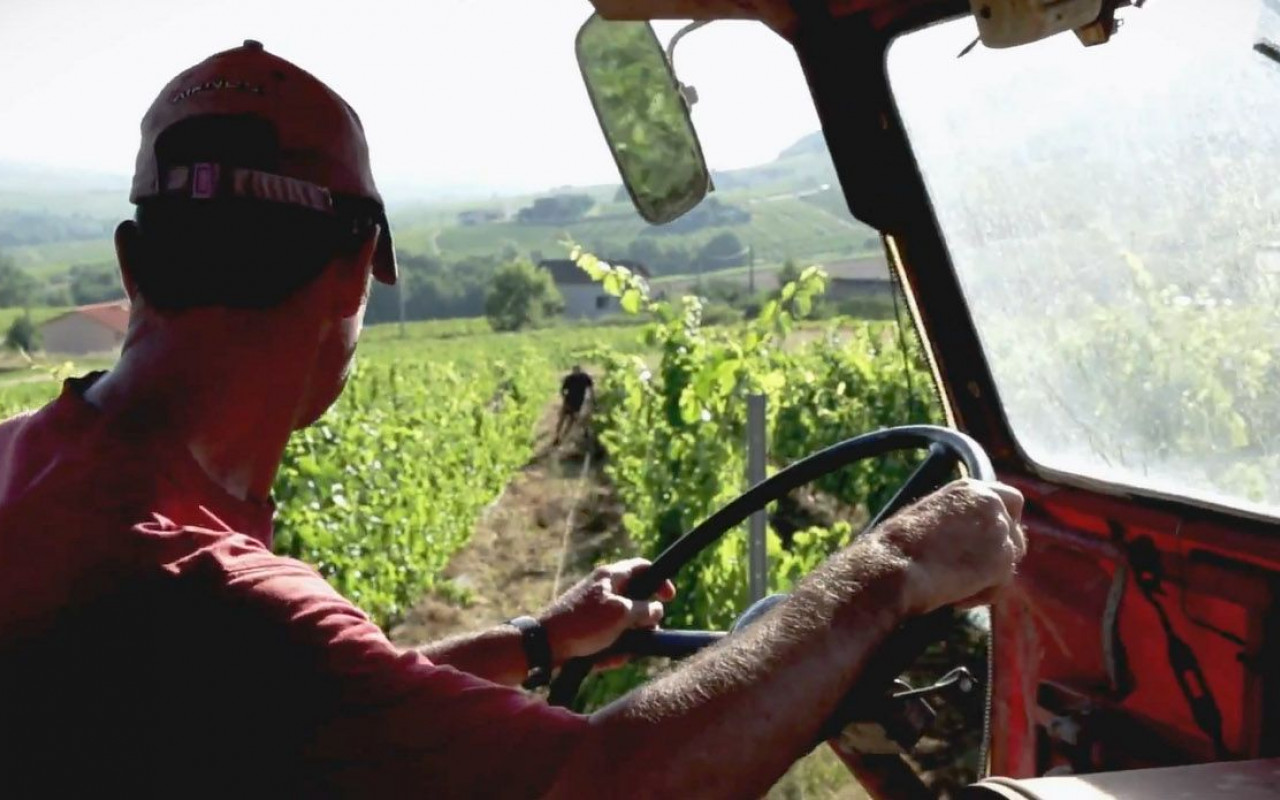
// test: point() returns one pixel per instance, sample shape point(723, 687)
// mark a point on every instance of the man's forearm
point(758, 698)
point(495, 654)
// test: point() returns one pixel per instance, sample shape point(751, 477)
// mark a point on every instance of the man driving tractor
point(152, 644)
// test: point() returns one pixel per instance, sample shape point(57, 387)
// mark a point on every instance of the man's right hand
point(962, 544)
point(765, 692)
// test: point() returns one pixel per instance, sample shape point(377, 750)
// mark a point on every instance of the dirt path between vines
point(559, 502)
point(511, 565)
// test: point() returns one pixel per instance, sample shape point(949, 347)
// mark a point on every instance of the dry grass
point(510, 565)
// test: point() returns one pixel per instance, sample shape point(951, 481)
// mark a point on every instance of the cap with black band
point(537, 650)
point(323, 152)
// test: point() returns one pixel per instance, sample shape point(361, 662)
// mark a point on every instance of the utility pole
point(751, 270)
point(757, 548)
point(400, 300)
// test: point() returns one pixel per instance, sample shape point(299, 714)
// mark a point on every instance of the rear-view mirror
point(644, 116)
point(1010, 23)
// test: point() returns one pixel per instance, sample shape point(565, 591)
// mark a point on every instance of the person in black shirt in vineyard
point(573, 391)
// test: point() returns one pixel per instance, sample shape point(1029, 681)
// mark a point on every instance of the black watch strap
point(537, 650)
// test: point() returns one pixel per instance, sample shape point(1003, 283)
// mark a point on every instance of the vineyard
point(673, 422)
point(675, 430)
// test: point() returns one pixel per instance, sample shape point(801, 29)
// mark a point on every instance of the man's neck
point(234, 411)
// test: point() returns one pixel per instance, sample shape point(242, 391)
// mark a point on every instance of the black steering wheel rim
point(946, 446)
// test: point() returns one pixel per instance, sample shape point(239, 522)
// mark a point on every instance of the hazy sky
point(452, 92)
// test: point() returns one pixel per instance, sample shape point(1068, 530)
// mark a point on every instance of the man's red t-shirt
point(152, 645)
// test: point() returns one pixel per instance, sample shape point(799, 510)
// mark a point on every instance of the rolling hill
point(794, 213)
point(779, 228)
point(803, 167)
point(795, 206)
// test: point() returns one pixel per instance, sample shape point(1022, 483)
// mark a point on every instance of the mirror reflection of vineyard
point(643, 116)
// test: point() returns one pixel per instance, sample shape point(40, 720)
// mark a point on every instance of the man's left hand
point(594, 613)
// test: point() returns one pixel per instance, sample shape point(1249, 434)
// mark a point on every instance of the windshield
point(1112, 215)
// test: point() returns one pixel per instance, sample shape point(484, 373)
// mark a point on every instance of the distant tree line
point(19, 228)
point(520, 295)
point(434, 289)
point(83, 284)
point(556, 209)
point(17, 288)
point(512, 293)
point(93, 283)
point(710, 213)
point(722, 251)
point(728, 300)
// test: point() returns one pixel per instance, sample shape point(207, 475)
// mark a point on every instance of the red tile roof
point(113, 315)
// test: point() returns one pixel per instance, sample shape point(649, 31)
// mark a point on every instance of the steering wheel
point(946, 447)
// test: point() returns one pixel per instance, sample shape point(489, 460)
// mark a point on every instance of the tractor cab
point(1082, 202)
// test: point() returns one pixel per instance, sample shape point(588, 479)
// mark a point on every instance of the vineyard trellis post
point(400, 302)
point(757, 551)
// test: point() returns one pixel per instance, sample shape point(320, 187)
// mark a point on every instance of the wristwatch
point(537, 650)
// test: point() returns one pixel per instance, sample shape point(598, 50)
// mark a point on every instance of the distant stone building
point(583, 297)
point(97, 328)
point(858, 277)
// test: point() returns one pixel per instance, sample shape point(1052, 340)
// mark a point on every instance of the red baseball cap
point(322, 148)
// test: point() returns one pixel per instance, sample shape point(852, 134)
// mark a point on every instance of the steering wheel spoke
point(663, 643)
point(931, 473)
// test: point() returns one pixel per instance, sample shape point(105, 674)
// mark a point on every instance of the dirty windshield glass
point(1113, 216)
